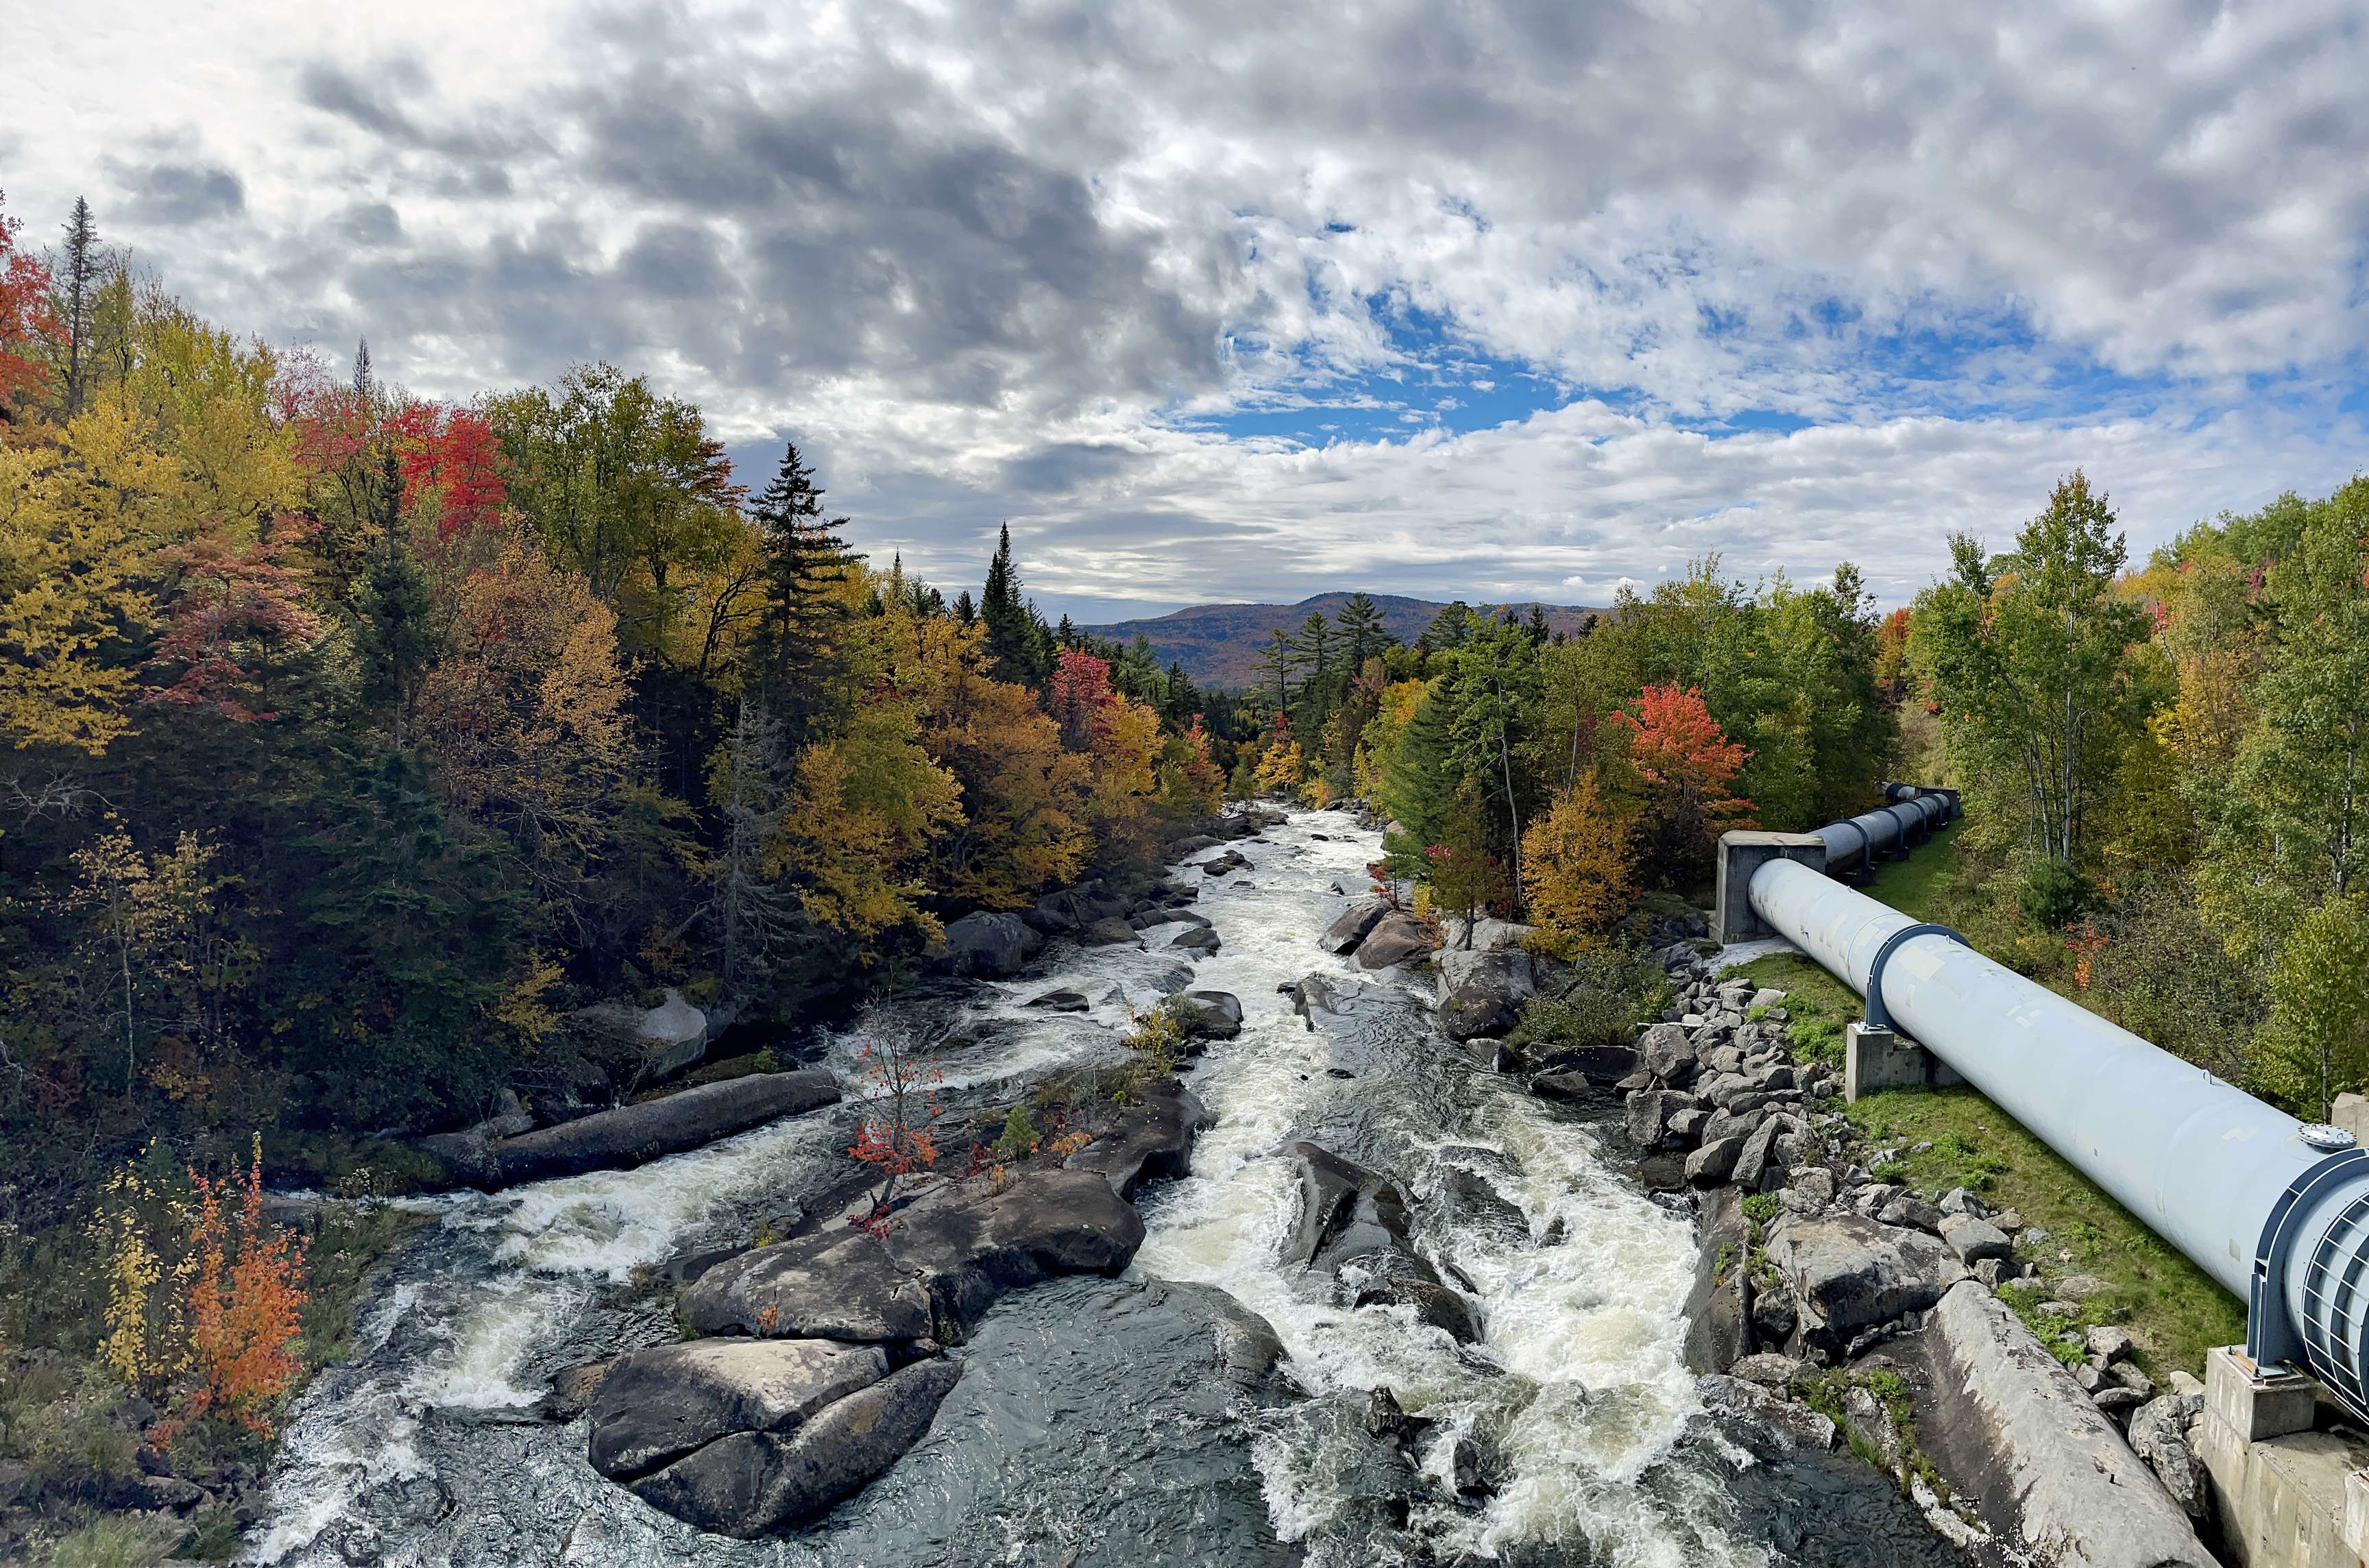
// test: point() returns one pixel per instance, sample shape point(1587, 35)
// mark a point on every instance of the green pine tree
point(397, 639)
point(795, 653)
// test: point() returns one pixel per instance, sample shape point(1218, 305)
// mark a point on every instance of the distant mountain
point(1220, 644)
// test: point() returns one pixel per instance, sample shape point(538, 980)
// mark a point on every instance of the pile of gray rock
point(1833, 1268)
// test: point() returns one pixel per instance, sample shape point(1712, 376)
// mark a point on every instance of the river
point(1086, 1428)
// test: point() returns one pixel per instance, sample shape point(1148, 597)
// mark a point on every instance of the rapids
point(1088, 1426)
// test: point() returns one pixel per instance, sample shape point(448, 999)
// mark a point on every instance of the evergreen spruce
point(1016, 637)
point(397, 639)
point(795, 652)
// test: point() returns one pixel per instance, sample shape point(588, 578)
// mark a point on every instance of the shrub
point(2053, 895)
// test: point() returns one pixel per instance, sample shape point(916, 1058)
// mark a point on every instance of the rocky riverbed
point(1393, 1306)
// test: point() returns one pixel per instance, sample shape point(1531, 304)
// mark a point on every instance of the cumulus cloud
point(1226, 297)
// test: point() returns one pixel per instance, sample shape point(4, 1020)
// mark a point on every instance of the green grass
point(2173, 1310)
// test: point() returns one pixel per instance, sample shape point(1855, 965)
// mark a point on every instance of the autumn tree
point(27, 323)
point(1687, 765)
point(1579, 862)
point(78, 522)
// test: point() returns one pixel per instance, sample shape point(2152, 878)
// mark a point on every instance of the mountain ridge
point(1218, 644)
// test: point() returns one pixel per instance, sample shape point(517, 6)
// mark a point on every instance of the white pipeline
point(2202, 1163)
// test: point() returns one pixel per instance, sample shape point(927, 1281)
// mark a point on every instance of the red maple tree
point(27, 319)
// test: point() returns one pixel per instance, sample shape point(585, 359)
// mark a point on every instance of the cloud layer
point(1240, 300)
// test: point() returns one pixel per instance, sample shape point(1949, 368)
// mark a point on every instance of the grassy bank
point(1958, 1137)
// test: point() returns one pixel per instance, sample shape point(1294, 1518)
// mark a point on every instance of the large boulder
point(1351, 925)
point(838, 1284)
point(1199, 940)
point(664, 1039)
point(2041, 1453)
point(1109, 932)
point(1719, 1327)
point(753, 1482)
point(654, 1406)
point(1480, 993)
point(948, 1253)
point(1210, 1014)
point(1395, 938)
point(634, 1134)
point(1848, 1273)
point(1146, 1142)
point(1354, 1225)
point(1667, 1052)
point(990, 947)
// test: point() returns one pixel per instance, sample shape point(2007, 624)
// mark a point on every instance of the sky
point(1255, 300)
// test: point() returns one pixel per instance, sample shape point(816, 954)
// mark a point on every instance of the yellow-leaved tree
point(79, 520)
point(863, 808)
point(1578, 863)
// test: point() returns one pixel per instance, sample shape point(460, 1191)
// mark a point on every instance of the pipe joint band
point(1878, 1015)
point(1865, 845)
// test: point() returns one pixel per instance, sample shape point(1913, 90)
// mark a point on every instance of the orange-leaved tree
point(1687, 764)
point(247, 1295)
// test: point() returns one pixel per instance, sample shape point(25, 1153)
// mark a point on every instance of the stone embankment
point(1877, 1306)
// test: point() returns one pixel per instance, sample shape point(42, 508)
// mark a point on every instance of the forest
point(351, 741)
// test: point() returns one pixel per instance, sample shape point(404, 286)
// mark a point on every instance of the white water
point(1579, 1376)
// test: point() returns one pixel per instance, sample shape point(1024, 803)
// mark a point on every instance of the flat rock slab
point(636, 1135)
point(948, 1254)
point(1101, 1417)
point(1394, 939)
point(2077, 1493)
point(654, 1406)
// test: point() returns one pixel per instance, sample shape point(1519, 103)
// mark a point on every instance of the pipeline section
point(2276, 1211)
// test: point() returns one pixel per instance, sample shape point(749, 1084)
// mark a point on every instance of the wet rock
point(1386, 1420)
point(1847, 1274)
point(1778, 1423)
point(1147, 1142)
point(1200, 940)
point(634, 1134)
point(1211, 1014)
point(1604, 1066)
point(1719, 1331)
point(990, 947)
point(1111, 932)
point(1351, 926)
point(1225, 864)
point(1354, 1224)
point(753, 1482)
point(1061, 1002)
point(948, 1254)
point(1395, 938)
point(656, 1405)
